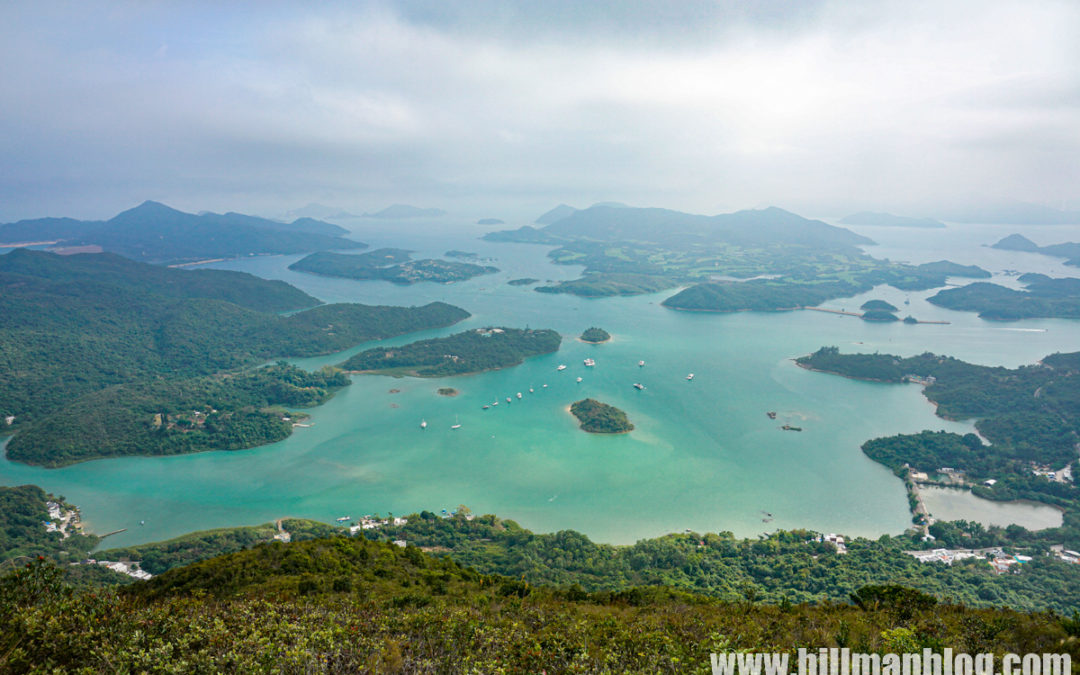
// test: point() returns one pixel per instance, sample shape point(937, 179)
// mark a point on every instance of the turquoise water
point(703, 456)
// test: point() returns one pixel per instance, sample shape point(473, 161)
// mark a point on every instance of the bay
point(703, 456)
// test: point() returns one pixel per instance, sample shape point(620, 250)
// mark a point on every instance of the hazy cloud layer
point(497, 108)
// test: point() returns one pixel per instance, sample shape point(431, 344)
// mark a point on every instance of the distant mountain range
point(748, 228)
point(888, 220)
point(405, 211)
point(154, 232)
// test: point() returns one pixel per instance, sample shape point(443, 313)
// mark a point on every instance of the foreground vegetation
point(472, 351)
point(356, 606)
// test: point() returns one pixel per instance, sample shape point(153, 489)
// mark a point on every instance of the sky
point(505, 109)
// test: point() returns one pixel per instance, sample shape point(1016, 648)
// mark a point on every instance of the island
point(595, 335)
point(871, 218)
point(1068, 250)
point(878, 305)
point(600, 418)
point(448, 391)
point(524, 281)
point(879, 315)
point(462, 255)
point(166, 357)
point(490, 221)
point(1042, 297)
point(389, 264)
point(472, 351)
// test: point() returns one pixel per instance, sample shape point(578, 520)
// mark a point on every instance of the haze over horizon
point(508, 109)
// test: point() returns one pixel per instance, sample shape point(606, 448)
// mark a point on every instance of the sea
point(703, 456)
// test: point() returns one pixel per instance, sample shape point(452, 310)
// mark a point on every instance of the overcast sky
point(504, 109)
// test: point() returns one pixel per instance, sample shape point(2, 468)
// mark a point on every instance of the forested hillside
point(98, 342)
point(343, 605)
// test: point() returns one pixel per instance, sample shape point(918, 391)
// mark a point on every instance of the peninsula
point(472, 351)
point(159, 350)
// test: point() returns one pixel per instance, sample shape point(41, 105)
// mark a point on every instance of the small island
point(524, 281)
point(600, 418)
point(473, 351)
point(878, 305)
point(879, 315)
point(595, 335)
point(448, 391)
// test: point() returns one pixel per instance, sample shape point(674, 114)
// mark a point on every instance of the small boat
point(788, 427)
point(519, 395)
point(579, 379)
point(486, 407)
point(508, 399)
point(640, 364)
point(142, 522)
point(495, 403)
point(455, 426)
point(771, 414)
point(531, 390)
point(545, 386)
point(344, 519)
point(690, 376)
point(423, 424)
point(589, 363)
point(639, 386)
point(562, 366)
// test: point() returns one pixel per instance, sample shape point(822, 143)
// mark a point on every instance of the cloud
point(700, 105)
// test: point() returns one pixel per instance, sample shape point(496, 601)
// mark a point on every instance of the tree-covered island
point(390, 264)
point(1042, 297)
point(472, 351)
point(595, 335)
point(600, 418)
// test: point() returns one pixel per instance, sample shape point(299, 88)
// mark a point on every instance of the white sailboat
point(423, 424)
point(457, 425)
